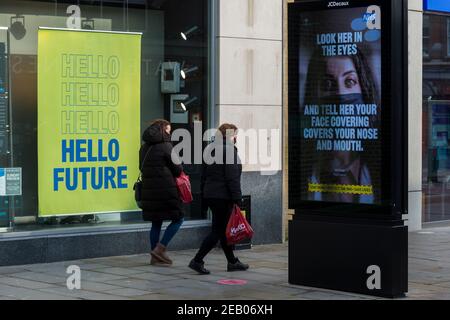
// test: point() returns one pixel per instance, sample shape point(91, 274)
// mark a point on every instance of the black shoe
point(237, 266)
point(199, 267)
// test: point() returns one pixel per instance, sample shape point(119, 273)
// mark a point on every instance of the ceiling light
point(18, 27)
point(185, 72)
point(185, 35)
point(186, 104)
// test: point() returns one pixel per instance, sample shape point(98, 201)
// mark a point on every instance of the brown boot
point(158, 263)
point(160, 253)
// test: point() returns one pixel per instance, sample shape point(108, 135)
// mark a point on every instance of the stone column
point(415, 53)
point(249, 94)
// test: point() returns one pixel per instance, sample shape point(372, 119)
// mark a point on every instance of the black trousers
point(221, 212)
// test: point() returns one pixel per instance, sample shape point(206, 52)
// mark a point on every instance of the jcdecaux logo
point(338, 4)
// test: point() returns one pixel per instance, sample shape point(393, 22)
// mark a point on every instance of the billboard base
point(359, 256)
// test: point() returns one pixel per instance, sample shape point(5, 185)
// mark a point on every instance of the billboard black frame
point(394, 119)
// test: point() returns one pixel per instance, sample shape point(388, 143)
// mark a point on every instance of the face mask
point(354, 98)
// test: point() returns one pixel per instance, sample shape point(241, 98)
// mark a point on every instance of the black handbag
point(138, 184)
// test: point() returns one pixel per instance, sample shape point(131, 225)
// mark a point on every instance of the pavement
point(131, 277)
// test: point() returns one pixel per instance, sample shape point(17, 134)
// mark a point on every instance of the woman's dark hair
point(371, 155)
point(225, 129)
point(161, 123)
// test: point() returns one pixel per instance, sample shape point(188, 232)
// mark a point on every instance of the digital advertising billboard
point(341, 108)
point(348, 144)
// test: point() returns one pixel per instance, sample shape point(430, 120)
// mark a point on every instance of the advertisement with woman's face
point(340, 108)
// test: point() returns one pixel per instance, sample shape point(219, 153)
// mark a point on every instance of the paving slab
point(82, 294)
point(322, 295)
point(127, 292)
point(23, 283)
point(11, 270)
point(119, 271)
point(193, 293)
point(138, 284)
point(99, 276)
point(7, 298)
point(151, 276)
point(163, 270)
point(158, 296)
point(98, 286)
point(28, 294)
point(270, 271)
point(41, 277)
point(50, 269)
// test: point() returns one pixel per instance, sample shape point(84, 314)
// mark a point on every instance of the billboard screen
point(340, 70)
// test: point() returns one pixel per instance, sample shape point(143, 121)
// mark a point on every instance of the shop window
point(161, 23)
point(436, 118)
point(426, 36)
point(448, 37)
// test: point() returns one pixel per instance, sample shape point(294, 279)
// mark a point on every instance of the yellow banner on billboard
point(340, 188)
point(88, 121)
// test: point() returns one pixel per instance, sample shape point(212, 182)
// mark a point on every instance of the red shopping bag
point(238, 228)
point(184, 188)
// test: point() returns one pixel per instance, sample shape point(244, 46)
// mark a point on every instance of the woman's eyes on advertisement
point(328, 85)
point(351, 81)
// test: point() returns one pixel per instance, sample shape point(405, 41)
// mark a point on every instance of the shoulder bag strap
point(143, 162)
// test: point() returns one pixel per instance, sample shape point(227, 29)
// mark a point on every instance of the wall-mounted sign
point(88, 121)
point(177, 113)
point(10, 181)
point(436, 5)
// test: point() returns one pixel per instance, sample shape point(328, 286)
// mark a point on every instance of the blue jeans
point(170, 232)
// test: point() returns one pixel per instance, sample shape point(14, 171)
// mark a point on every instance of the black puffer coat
point(161, 200)
point(219, 180)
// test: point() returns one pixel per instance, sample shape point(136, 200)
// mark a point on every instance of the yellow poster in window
point(88, 121)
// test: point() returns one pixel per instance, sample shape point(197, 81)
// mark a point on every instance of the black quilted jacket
point(161, 200)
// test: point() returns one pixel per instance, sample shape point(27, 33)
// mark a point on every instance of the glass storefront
point(436, 117)
point(175, 32)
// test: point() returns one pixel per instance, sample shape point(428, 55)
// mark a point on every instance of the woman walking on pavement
point(160, 197)
point(221, 189)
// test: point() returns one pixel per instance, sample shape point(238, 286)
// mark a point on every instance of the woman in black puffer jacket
point(221, 190)
point(160, 197)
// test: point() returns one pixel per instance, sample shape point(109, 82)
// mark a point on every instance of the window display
point(436, 118)
point(160, 24)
